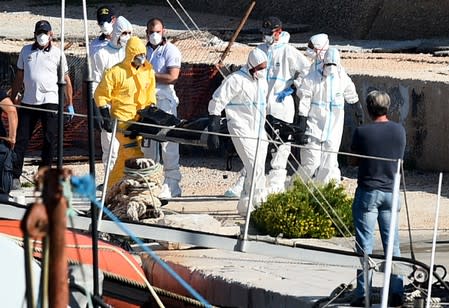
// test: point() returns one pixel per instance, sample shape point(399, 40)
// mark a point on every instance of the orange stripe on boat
point(112, 260)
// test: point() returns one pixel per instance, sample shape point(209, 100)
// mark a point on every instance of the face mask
point(269, 39)
point(329, 70)
point(310, 53)
point(262, 74)
point(42, 39)
point(106, 28)
point(139, 60)
point(124, 39)
point(155, 38)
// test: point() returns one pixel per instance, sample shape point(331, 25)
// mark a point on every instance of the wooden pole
point(237, 31)
point(56, 205)
point(48, 219)
point(225, 53)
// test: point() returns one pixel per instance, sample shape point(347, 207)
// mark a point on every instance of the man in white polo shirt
point(166, 60)
point(37, 72)
point(105, 19)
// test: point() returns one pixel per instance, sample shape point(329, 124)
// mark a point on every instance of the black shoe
point(395, 300)
point(358, 302)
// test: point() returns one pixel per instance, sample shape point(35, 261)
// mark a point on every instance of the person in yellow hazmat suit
point(127, 87)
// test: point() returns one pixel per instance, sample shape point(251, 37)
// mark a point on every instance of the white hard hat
point(256, 57)
point(332, 56)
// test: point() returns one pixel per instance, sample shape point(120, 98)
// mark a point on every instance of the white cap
point(256, 57)
point(320, 41)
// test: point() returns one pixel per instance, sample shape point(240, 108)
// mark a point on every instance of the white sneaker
point(242, 206)
point(276, 179)
point(236, 190)
point(169, 190)
point(16, 185)
point(230, 193)
point(276, 189)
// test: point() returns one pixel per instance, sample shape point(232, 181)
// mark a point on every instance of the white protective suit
point(243, 98)
point(96, 45)
point(323, 96)
point(164, 57)
point(104, 59)
point(286, 65)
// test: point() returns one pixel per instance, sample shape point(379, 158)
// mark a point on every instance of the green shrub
point(300, 212)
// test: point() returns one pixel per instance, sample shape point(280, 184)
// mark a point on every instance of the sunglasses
point(126, 32)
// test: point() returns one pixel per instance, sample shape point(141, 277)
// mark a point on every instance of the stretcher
point(160, 126)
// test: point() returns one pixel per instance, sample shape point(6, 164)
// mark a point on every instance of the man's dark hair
point(154, 21)
point(377, 103)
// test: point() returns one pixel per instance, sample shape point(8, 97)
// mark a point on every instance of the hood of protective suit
point(284, 37)
point(332, 55)
point(256, 57)
point(134, 47)
point(320, 43)
point(120, 25)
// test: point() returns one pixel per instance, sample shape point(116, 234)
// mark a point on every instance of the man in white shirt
point(243, 97)
point(287, 66)
point(105, 20)
point(37, 71)
point(323, 94)
point(166, 60)
point(103, 59)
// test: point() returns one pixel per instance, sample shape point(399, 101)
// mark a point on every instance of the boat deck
point(227, 277)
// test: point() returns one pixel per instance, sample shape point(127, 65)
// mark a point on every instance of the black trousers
point(27, 123)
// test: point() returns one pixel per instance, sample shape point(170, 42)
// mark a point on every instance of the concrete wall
point(361, 19)
point(405, 19)
point(422, 108)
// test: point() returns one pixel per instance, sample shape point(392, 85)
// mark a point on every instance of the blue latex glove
point(71, 111)
point(283, 94)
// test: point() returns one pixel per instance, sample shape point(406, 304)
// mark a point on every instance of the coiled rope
point(134, 196)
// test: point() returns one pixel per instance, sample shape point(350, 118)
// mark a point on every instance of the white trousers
point(169, 150)
point(317, 165)
point(246, 149)
point(105, 138)
point(278, 173)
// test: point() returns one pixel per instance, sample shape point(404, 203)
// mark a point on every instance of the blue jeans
point(369, 206)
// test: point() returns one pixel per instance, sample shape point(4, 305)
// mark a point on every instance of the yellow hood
point(134, 47)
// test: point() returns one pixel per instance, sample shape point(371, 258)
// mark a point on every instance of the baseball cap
point(269, 24)
point(104, 14)
point(42, 26)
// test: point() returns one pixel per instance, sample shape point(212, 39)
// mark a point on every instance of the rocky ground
point(207, 175)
